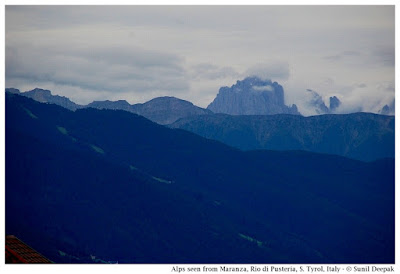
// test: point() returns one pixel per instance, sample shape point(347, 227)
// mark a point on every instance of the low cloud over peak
point(277, 70)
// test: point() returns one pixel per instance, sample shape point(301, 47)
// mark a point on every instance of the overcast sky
point(137, 53)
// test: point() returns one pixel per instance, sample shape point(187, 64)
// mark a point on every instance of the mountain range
point(162, 110)
point(362, 136)
point(97, 185)
point(249, 96)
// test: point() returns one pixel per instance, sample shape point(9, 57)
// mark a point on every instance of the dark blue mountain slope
point(72, 205)
point(85, 179)
point(362, 136)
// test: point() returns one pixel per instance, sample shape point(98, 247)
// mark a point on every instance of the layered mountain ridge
point(162, 110)
point(362, 136)
point(359, 136)
point(250, 96)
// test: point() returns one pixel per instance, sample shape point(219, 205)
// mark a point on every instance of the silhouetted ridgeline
point(162, 110)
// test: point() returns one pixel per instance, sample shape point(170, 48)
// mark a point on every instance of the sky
point(136, 53)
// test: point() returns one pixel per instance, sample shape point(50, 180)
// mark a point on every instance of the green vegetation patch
point(97, 149)
point(62, 130)
point(250, 239)
point(30, 113)
point(133, 167)
point(217, 203)
point(162, 180)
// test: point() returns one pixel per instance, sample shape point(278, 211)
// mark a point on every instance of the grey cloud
point(367, 98)
point(342, 55)
point(362, 85)
point(274, 70)
point(333, 57)
point(384, 56)
point(213, 72)
point(110, 69)
point(351, 53)
point(193, 17)
point(358, 86)
point(386, 87)
point(120, 55)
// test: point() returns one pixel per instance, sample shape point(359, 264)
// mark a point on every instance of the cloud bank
point(139, 52)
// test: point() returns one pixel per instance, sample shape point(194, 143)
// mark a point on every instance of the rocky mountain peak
point(120, 104)
point(45, 96)
point(166, 110)
point(252, 96)
point(13, 90)
point(40, 91)
point(317, 102)
point(334, 103)
point(388, 109)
